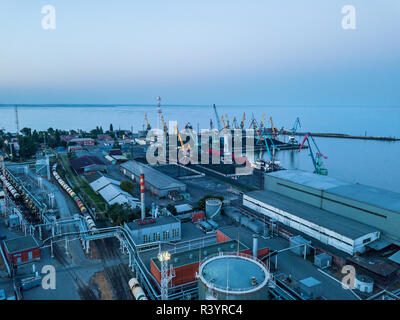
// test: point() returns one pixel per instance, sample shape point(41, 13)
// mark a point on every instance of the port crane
point(165, 128)
point(296, 125)
point(243, 120)
point(317, 159)
point(234, 123)
point(148, 127)
point(217, 117)
point(273, 129)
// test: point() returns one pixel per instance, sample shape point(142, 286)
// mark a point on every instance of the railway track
point(84, 291)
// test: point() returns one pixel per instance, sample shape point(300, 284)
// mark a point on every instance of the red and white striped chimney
point(142, 190)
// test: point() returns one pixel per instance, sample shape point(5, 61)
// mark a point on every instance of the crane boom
point(217, 117)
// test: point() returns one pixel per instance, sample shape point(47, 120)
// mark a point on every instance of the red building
point(186, 263)
point(21, 250)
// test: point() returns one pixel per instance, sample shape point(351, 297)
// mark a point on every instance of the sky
point(236, 52)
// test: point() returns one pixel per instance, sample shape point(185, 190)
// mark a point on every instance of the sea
point(370, 162)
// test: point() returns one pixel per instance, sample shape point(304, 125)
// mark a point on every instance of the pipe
point(255, 245)
point(142, 190)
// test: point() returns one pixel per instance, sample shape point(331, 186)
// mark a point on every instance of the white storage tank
point(233, 277)
point(364, 283)
point(213, 208)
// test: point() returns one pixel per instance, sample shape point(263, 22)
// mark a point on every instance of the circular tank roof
point(233, 273)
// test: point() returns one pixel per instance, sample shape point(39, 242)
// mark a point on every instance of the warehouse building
point(88, 165)
point(338, 231)
point(163, 228)
point(111, 192)
point(372, 206)
point(157, 183)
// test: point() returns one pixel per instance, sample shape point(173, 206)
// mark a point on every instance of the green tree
point(171, 208)
point(27, 147)
point(111, 127)
point(127, 186)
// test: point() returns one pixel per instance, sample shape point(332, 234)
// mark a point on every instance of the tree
point(27, 147)
point(111, 127)
point(171, 208)
point(127, 186)
point(120, 213)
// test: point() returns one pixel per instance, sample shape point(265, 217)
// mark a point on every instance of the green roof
point(183, 258)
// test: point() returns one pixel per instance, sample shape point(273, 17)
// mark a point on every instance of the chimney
point(142, 190)
point(255, 245)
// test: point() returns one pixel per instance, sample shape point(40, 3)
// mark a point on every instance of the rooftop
point(159, 221)
point(85, 161)
point(183, 258)
point(378, 197)
point(310, 282)
point(152, 176)
point(344, 226)
point(308, 179)
point(20, 244)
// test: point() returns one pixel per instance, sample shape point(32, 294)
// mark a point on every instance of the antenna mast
point(16, 118)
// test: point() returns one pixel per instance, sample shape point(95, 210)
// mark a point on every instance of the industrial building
point(332, 229)
point(163, 228)
point(111, 192)
point(88, 165)
point(369, 205)
point(157, 183)
point(186, 263)
point(21, 250)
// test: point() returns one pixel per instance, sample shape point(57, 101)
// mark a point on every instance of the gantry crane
point(243, 120)
point(165, 128)
point(217, 117)
point(273, 129)
point(292, 138)
point(148, 127)
point(317, 159)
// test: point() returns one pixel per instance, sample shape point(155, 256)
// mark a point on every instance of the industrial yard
point(114, 227)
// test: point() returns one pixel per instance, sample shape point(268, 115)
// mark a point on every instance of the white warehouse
point(340, 232)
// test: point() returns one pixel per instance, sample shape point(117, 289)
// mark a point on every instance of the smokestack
point(142, 196)
point(255, 245)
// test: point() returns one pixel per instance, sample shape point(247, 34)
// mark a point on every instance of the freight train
point(21, 198)
point(89, 221)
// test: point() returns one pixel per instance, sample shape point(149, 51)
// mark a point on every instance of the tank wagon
point(89, 221)
point(25, 202)
point(136, 289)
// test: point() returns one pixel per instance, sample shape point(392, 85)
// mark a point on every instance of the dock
point(342, 136)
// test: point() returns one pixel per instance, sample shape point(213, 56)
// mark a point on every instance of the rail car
point(89, 221)
point(15, 194)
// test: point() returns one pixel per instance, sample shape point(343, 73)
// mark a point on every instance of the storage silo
point(213, 208)
point(233, 277)
point(364, 283)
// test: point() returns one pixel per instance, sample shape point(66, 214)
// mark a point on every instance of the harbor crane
point(234, 123)
point(243, 120)
point(148, 127)
point(296, 125)
point(223, 121)
point(165, 128)
point(273, 129)
point(317, 159)
point(217, 117)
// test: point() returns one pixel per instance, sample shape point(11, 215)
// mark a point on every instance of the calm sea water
point(367, 162)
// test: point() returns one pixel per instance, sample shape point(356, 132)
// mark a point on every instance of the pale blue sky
point(286, 52)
